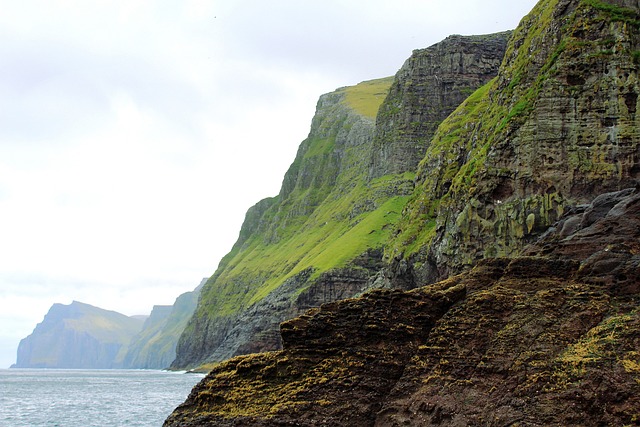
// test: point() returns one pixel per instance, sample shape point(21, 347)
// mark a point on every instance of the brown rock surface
point(551, 339)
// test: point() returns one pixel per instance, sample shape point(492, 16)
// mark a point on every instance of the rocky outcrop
point(431, 84)
point(78, 336)
point(555, 127)
point(604, 236)
point(320, 239)
point(529, 341)
point(154, 347)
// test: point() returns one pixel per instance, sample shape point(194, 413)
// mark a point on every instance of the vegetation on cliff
point(78, 335)
point(530, 189)
point(154, 347)
point(555, 128)
point(325, 215)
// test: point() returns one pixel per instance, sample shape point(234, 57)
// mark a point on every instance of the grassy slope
point(328, 237)
point(366, 97)
point(104, 325)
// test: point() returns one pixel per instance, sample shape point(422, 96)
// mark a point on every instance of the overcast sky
point(135, 134)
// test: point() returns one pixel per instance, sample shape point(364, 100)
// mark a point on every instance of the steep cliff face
point(154, 347)
point(529, 341)
point(557, 127)
point(289, 241)
point(319, 240)
point(78, 336)
point(430, 85)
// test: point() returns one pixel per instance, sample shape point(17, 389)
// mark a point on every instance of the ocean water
point(74, 398)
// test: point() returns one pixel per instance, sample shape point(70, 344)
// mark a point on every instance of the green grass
point(522, 107)
point(328, 239)
point(370, 231)
point(366, 97)
point(320, 147)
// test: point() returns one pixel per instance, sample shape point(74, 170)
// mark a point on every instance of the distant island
point(81, 336)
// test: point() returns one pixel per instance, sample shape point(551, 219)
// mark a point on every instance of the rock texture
point(431, 84)
point(320, 239)
point(557, 127)
point(78, 336)
point(526, 341)
point(604, 236)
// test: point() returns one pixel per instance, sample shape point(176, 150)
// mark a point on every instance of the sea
point(74, 398)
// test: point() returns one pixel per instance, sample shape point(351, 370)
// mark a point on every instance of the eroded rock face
point(604, 236)
point(557, 127)
point(550, 339)
point(343, 347)
point(430, 85)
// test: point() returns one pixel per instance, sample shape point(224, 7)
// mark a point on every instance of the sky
point(135, 134)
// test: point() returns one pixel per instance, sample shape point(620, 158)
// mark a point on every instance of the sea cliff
point(321, 238)
point(78, 336)
point(81, 336)
point(498, 234)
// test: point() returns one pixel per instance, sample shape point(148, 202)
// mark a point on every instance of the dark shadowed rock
point(605, 240)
